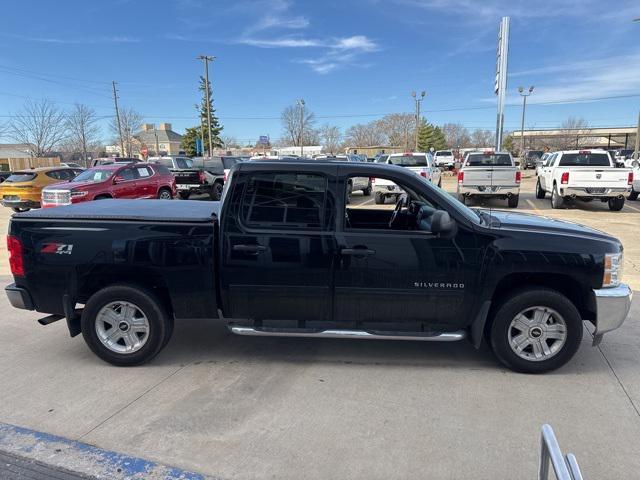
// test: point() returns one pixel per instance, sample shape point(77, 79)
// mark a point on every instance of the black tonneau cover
point(132, 210)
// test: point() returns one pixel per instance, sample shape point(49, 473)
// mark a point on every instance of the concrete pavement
point(257, 408)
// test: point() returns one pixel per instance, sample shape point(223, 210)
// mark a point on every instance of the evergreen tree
point(189, 139)
point(430, 136)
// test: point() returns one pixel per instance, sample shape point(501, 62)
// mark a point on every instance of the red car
point(140, 180)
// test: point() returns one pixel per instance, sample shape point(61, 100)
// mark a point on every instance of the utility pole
point(207, 59)
point(155, 132)
point(418, 101)
point(636, 154)
point(524, 96)
point(115, 100)
point(301, 103)
point(500, 85)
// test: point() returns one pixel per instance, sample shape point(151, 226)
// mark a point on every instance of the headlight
point(613, 267)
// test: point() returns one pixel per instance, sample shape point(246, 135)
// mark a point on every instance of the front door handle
point(249, 249)
point(358, 252)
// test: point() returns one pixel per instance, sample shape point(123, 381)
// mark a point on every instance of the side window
point(53, 174)
point(287, 200)
point(127, 174)
point(143, 172)
point(65, 174)
point(552, 160)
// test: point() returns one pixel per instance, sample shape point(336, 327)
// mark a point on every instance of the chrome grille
point(58, 197)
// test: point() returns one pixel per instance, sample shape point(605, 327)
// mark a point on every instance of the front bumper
point(612, 307)
point(20, 203)
point(593, 192)
point(489, 190)
point(19, 297)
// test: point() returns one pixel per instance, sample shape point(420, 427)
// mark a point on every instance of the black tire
point(367, 191)
point(440, 182)
point(349, 192)
point(518, 302)
point(462, 198)
point(160, 323)
point(616, 204)
point(162, 194)
point(378, 198)
point(20, 209)
point(556, 200)
point(513, 200)
point(633, 195)
point(184, 195)
point(216, 191)
point(540, 193)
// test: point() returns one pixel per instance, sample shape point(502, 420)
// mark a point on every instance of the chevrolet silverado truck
point(283, 254)
point(584, 175)
point(489, 175)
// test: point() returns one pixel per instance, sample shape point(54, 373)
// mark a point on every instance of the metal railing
point(565, 467)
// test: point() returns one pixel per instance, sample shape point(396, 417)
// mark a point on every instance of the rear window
point(585, 160)
point(382, 159)
point(229, 162)
point(535, 153)
point(443, 153)
point(489, 160)
point(409, 161)
point(21, 177)
point(184, 163)
point(285, 200)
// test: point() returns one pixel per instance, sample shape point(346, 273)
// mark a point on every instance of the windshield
point(409, 160)
point(585, 160)
point(489, 160)
point(94, 175)
point(21, 177)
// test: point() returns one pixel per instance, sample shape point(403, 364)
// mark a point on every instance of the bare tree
point(481, 138)
point(330, 138)
point(83, 131)
point(292, 125)
point(398, 129)
point(364, 135)
point(131, 122)
point(456, 134)
point(229, 141)
point(41, 125)
point(572, 132)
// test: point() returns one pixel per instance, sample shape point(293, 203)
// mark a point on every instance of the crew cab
point(355, 184)
point(583, 175)
point(444, 158)
point(204, 176)
point(138, 180)
point(531, 158)
point(420, 163)
point(282, 254)
point(489, 174)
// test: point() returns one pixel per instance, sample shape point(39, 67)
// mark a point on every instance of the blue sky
point(351, 60)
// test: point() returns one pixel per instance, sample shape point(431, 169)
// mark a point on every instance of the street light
point(417, 101)
point(301, 104)
point(524, 96)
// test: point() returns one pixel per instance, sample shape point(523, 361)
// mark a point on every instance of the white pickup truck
point(444, 158)
point(418, 162)
point(583, 175)
point(489, 174)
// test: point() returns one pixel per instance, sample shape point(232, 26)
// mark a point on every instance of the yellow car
point(23, 189)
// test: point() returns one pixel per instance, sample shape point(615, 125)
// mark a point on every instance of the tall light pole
point(636, 154)
point(115, 100)
point(301, 104)
point(417, 101)
point(524, 94)
point(207, 59)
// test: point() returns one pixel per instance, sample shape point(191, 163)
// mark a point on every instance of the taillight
point(16, 260)
point(564, 179)
point(423, 173)
point(371, 179)
point(460, 177)
point(226, 175)
point(518, 176)
point(201, 177)
point(630, 178)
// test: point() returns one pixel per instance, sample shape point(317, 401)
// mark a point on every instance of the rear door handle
point(358, 252)
point(249, 249)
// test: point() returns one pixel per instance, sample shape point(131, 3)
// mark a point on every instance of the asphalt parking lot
point(256, 408)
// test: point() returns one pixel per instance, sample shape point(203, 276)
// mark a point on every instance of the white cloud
point(282, 42)
point(72, 41)
point(357, 42)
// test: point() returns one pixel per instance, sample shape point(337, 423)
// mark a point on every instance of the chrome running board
point(355, 334)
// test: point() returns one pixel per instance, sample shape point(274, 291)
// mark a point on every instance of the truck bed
point(155, 211)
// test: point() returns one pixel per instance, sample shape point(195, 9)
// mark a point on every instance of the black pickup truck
point(282, 254)
point(203, 176)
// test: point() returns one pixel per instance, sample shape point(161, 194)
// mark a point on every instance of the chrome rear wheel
point(122, 327)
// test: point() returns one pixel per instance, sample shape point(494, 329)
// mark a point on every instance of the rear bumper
point(495, 190)
point(612, 308)
point(19, 297)
point(582, 192)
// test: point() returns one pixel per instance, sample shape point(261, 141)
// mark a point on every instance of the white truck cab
point(584, 175)
point(489, 174)
point(444, 158)
point(420, 163)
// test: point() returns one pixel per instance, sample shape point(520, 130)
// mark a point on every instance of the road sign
point(263, 140)
point(199, 149)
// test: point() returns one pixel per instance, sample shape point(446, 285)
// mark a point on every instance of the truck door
point(278, 246)
point(390, 275)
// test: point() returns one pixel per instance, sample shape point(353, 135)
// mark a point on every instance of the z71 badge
point(57, 248)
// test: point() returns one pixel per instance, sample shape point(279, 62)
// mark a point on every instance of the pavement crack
point(132, 401)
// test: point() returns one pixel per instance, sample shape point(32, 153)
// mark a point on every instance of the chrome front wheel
point(537, 333)
point(122, 327)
